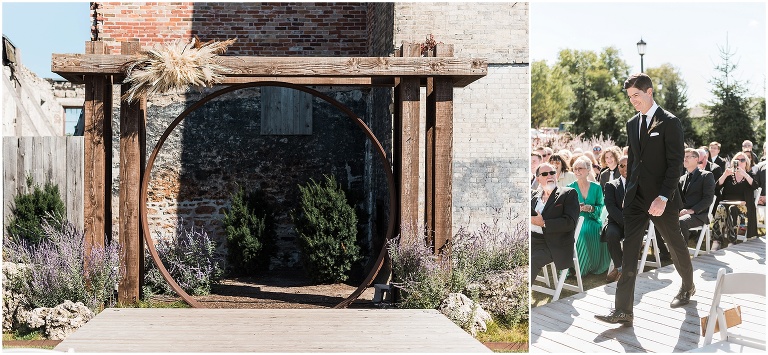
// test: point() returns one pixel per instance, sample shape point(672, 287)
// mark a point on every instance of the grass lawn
point(499, 333)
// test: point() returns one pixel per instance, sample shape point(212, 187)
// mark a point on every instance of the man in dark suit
point(714, 151)
point(697, 188)
point(613, 228)
point(708, 165)
point(653, 168)
point(554, 213)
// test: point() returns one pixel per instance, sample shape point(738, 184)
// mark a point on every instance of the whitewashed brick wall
point(491, 115)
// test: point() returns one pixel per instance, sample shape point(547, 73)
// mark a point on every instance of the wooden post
point(97, 184)
point(440, 105)
point(132, 121)
point(408, 147)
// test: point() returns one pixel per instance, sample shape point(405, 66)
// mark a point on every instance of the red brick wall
point(265, 29)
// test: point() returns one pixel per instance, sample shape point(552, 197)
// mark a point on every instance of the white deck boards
point(568, 325)
point(270, 330)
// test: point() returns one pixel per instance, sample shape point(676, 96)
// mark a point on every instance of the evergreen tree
point(729, 113)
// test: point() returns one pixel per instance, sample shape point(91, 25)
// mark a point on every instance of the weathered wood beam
point(409, 100)
point(461, 69)
point(442, 92)
point(132, 120)
point(97, 184)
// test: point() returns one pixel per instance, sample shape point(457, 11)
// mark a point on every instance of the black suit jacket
point(716, 169)
point(719, 161)
point(657, 166)
point(605, 175)
point(560, 213)
point(760, 175)
point(614, 197)
point(700, 194)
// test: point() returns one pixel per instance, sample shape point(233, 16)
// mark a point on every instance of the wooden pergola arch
point(406, 72)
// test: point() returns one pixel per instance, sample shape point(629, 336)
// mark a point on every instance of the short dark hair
point(640, 81)
point(534, 154)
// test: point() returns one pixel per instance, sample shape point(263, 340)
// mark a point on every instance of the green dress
point(593, 254)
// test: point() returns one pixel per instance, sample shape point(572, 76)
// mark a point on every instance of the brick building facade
point(222, 144)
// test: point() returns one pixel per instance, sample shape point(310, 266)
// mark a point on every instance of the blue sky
point(686, 35)
point(40, 29)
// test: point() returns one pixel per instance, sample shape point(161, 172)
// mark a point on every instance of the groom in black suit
point(653, 167)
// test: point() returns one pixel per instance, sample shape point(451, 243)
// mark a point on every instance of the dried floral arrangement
point(175, 66)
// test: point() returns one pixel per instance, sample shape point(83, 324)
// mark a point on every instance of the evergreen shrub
point(250, 229)
point(327, 229)
point(30, 209)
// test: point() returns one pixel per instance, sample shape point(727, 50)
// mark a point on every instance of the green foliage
point(250, 230)
point(550, 95)
point(670, 93)
point(327, 229)
point(30, 209)
point(729, 113)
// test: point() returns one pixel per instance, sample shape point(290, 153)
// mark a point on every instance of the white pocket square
point(654, 134)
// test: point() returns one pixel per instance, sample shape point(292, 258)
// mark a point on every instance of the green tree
point(729, 112)
point(758, 116)
point(250, 230)
point(550, 95)
point(670, 93)
point(30, 209)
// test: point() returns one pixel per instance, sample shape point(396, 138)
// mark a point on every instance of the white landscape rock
point(464, 312)
point(57, 322)
point(13, 302)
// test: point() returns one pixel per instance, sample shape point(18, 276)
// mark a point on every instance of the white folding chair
point(648, 242)
point(729, 284)
point(704, 232)
point(559, 282)
point(760, 210)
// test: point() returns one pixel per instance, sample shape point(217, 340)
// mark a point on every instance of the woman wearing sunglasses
point(736, 187)
point(593, 254)
point(564, 176)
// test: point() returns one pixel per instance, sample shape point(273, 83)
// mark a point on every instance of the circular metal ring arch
point(368, 134)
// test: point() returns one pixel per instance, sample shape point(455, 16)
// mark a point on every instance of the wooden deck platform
point(270, 330)
point(568, 325)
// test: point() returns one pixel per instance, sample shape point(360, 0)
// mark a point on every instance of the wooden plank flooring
point(568, 325)
point(270, 330)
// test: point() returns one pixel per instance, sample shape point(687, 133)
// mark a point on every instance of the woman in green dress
point(593, 254)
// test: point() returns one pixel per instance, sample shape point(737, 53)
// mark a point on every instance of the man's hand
point(537, 220)
point(761, 201)
point(684, 212)
point(657, 207)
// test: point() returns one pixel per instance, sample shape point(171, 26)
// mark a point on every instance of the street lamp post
point(641, 51)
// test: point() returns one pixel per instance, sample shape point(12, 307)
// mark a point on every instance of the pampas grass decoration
point(175, 66)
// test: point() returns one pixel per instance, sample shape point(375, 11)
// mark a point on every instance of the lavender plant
point(484, 265)
point(189, 259)
point(63, 267)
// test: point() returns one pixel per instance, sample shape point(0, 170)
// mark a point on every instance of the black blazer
point(700, 195)
point(561, 213)
point(719, 161)
point(716, 169)
point(605, 175)
point(614, 197)
point(657, 166)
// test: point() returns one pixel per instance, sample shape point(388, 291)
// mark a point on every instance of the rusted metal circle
point(368, 134)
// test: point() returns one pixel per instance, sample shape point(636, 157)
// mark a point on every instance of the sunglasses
point(622, 166)
point(742, 160)
point(547, 173)
point(597, 149)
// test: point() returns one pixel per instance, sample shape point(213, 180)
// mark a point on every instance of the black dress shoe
point(683, 297)
point(617, 316)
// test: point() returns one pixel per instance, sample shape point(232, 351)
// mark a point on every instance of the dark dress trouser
point(635, 222)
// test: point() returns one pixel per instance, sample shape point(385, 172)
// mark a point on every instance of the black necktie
point(687, 182)
point(643, 128)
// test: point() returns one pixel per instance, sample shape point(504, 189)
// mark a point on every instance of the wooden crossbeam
point(461, 70)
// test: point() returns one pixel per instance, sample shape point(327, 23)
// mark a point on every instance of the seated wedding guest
point(609, 160)
point(613, 228)
point(714, 151)
point(697, 188)
point(595, 166)
point(554, 214)
point(746, 147)
point(593, 254)
point(706, 164)
point(736, 198)
point(536, 160)
point(566, 155)
point(564, 174)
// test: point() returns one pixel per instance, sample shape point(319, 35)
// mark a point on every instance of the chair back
point(730, 284)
